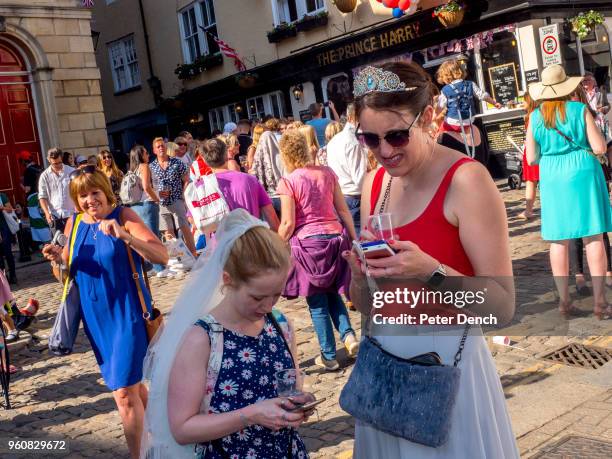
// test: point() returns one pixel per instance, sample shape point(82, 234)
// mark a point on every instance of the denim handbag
point(66, 325)
point(402, 398)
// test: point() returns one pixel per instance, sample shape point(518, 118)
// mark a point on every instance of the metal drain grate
point(580, 355)
point(574, 447)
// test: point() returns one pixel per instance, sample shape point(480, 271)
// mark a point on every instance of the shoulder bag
point(66, 325)
point(408, 398)
point(154, 319)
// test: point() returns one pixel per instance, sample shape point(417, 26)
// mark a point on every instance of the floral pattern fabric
point(246, 376)
point(171, 177)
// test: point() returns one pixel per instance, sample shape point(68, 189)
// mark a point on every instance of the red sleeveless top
point(431, 231)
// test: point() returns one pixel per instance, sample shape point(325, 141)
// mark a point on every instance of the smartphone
point(326, 103)
point(376, 249)
point(309, 405)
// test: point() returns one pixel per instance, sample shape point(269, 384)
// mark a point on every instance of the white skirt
point(480, 425)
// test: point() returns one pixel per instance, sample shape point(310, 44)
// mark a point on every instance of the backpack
point(206, 203)
point(131, 189)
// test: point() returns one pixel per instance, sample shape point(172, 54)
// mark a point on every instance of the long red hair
point(553, 109)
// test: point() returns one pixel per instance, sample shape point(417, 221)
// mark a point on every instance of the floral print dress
point(246, 376)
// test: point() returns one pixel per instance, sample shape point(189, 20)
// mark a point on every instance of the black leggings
point(579, 249)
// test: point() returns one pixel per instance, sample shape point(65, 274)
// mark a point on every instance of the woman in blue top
point(110, 307)
point(563, 137)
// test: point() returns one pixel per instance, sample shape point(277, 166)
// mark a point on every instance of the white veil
point(199, 296)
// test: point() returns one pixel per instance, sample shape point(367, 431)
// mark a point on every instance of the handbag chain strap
point(466, 330)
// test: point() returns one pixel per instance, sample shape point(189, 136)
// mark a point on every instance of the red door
point(18, 129)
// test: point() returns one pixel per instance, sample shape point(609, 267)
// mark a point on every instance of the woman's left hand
point(114, 229)
point(409, 262)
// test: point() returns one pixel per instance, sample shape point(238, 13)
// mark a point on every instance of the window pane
point(275, 107)
point(211, 12)
point(134, 73)
point(260, 105)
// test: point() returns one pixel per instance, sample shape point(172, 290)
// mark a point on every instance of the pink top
point(312, 189)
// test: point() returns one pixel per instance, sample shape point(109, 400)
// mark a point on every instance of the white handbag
point(12, 221)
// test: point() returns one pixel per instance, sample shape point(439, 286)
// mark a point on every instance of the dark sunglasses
point(182, 144)
point(396, 138)
point(89, 169)
point(107, 157)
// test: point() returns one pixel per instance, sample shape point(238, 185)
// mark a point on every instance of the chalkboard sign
point(497, 135)
point(305, 116)
point(532, 76)
point(504, 83)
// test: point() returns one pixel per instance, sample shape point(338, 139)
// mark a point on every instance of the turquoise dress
point(111, 311)
point(573, 189)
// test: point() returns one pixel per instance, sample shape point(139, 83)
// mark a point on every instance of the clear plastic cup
point(287, 383)
point(381, 226)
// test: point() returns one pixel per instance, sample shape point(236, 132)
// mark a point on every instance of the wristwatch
point(437, 277)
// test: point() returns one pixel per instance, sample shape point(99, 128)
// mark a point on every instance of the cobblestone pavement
point(65, 398)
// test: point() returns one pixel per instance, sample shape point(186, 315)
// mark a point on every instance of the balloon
point(397, 13)
point(390, 3)
point(404, 4)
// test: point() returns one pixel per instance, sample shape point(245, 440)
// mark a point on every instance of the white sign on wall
point(549, 45)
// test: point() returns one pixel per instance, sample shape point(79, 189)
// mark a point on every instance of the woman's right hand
point(272, 413)
point(52, 252)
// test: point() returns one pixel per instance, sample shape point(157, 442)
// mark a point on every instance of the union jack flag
point(228, 51)
point(87, 3)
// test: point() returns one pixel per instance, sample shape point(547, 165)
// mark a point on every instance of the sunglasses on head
point(83, 170)
point(396, 137)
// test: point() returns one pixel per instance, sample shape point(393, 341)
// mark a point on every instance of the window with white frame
point(216, 117)
point(292, 10)
point(267, 104)
point(124, 63)
point(198, 25)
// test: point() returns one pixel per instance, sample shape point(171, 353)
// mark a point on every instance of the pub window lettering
point(292, 10)
point(124, 64)
point(195, 41)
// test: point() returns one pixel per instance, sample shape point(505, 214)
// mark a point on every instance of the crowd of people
point(298, 196)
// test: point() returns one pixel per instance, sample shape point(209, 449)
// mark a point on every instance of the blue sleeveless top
point(110, 307)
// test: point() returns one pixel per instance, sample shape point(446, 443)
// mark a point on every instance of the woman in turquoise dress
point(563, 138)
point(110, 306)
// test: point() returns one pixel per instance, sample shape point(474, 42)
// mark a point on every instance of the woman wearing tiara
point(441, 232)
point(214, 369)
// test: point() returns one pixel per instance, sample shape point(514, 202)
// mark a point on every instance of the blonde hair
point(294, 150)
point(273, 124)
point(157, 139)
point(110, 171)
point(256, 251)
point(258, 130)
point(295, 125)
point(171, 149)
point(311, 139)
point(450, 71)
point(86, 182)
point(332, 129)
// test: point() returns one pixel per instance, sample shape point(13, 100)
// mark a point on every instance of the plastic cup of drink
point(381, 226)
point(287, 382)
point(501, 340)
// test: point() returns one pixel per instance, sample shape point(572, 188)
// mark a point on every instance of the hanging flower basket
point(450, 14)
point(584, 23)
point(345, 6)
point(246, 80)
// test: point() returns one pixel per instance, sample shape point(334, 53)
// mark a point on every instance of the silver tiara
point(373, 79)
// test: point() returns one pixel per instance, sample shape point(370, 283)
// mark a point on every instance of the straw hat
point(555, 83)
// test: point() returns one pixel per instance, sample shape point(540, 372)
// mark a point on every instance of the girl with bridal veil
point(212, 370)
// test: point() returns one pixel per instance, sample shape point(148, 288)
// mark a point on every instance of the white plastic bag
point(206, 203)
point(179, 254)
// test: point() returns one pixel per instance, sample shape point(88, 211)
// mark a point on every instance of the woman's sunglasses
point(89, 169)
point(396, 138)
point(107, 157)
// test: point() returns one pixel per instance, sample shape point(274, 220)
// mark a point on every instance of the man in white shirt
point(183, 152)
point(349, 160)
point(53, 190)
